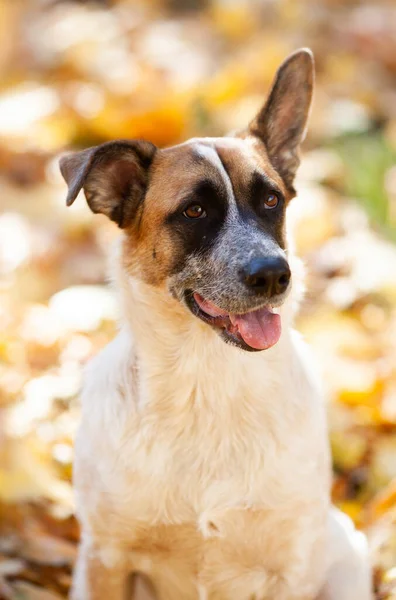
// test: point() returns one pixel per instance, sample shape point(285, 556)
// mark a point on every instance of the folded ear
point(114, 177)
point(281, 123)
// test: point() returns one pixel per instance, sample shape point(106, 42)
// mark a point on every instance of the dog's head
point(205, 219)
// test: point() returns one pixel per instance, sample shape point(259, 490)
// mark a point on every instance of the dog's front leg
point(101, 573)
point(349, 573)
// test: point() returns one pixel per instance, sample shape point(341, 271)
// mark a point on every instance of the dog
point(202, 466)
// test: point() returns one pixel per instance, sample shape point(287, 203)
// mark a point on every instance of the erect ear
point(114, 177)
point(282, 121)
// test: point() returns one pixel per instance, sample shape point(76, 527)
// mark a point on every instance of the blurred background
point(74, 74)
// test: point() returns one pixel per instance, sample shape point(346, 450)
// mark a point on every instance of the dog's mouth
point(256, 330)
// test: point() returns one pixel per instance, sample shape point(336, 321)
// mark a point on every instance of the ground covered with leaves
point(76, 74)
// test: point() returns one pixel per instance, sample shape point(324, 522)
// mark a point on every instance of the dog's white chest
point(179, 468)
point(224, 479)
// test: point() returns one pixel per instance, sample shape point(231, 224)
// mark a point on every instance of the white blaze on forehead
point(209, 153)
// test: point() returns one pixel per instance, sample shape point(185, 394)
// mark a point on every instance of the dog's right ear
point(281, 123)
point(114, 177)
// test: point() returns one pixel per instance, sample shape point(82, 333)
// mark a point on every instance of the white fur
point(205, 467)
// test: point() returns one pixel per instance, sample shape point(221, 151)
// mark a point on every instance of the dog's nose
point(268, 275)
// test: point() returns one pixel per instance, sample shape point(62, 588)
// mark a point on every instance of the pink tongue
point(259, 329)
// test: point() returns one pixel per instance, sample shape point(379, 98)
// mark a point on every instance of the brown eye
point(271, 200)
point(195, 211)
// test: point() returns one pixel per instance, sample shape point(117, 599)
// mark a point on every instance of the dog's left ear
point(114, 177)
point(281, 123)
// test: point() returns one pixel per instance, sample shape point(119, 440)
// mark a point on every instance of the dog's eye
point(271, 200)
point(195, 211)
